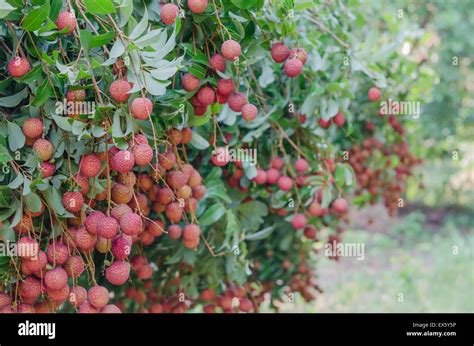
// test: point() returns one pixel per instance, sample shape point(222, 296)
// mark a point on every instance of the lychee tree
point(119, 124)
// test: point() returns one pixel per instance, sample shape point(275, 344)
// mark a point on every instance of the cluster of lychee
point(294, 59)
point(169, 11)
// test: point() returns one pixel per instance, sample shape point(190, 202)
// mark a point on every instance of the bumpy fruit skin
point(73, 201)
point(121, 194)
point(373, 94)
point(18, 67)
point(230, 49)
point(261, 177)
point(118, 272)
point(167, 160)
point(107, 227)
point(190, 82)
point(249, 112)
point(299, 221)
point(76, 95)
point(221, 157)
point(236, 101)
point(143, 154)
point(217, 63)
point(30, 289)
point(84, 240)
point(98, 296)
point(58, 296)
point(110, 309)
point(293, 67)
point(168, 13)
point(66, 20)
point(301, 165)
point(276, 162)
point(300, 54)
point(90, 166)
point(77, 296)
point(225, 86)
point(280, 52)
point(206, 96)
point(191, 232)
point(245, 305)
point(74, 266)
point(36, 265)
point(119, 90)
point(92, 220)
point(122, 161)
point(57, 253)
point(47, 169)
point(87, 308)
point(83, 183)
point(176, 179)
point(175, 231)
point(55, 279)
point(43, 148)
point(32, 128)
point(340, 205)
point(285, 183)
point(174, 212)
point(197, 6)
point(339, 119)
point(121, 247)
point(120, 210)
point(131, 223)
point(199, 192)
point(141, 108)
point(272, 176)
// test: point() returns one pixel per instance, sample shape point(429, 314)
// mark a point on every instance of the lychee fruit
point(195, 178)
point(90, 166)
point(310, 232)
point(225, 86)
point(206, 96)
point(131, 223)
point(199, 192)
point(164, 196)
point(175, 231)
point(32, 128)
point(77, 296)
point(73, 201)
point(18, 67)
point(261, 177)
point(220, 158)
point(83, 239)
point(236, 101)
point(230, 49)
point(299, 221)
point(118, 272)
point(76, 95)
point(190, 82)
point(121, 194)
point(30, 289)
point(340, 205)
point(176, 179)
point(293, 67)
point(57, 253)
point(107, 227)
point(245, 305)
point(120, 210)
point(373, 94)
point(301, 165)
point(186, 135)
point(87, 308)
point(122, 161)
point(98, 296)
point(141, 108)
point(324, 123)
point(277, 162)
point(38, 263)
point(119, 90)
point(110, 309)
point(280, 52)
point(197, 6)
point(66, 20)
point(300, 54)
point(92, 220)
point(155, 228)
point(43, 148)
point(285, 183)
point(55, 279)
point(167, 160)
point(168, 13)
point(58, 296)
point(47, 169)
point(249, 112)
point(143, 154)
point(74, 266)
point(174, 212)
point(272, 176)
point(217, 63)
point(339, 119)
point(121, 248)
point(191, 232)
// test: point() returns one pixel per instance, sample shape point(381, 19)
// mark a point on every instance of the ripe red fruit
point(43, 148)
point(131, 223)
point(217, 63)
point(195, 178)
point(225, 86)
point(141, 108)
point(167, 160)
point(191, 232)
point(236, 101)
point(120, 210)
point(37, 264)
point(55, 279)
point(90, 166)
point(110, 309)
point(197, 6)
point(249, 112)
point(83, 239)
point(47, 169)
point(143, 154)
point(76, 95)
point(310, 232)
point(83, 183)
point(92, 220)
point(301, 165)
point(175, 231)
point(339, 119)
point(230, 49)
point(199, 192)
point(187, 135)
point(122, 161)
point(66, 20)
point(190, 82)
point(32, 128)
point(261, 177)
point(118, 272)
point(107, 227)
point(77, 296)
point(30, 289)
point(221, 157)
point(73, 201)
point(300, 54)
point(121, 247)
point(98, 296)
point(174, 212)
point(74, 266)
point(168, 13)
point(206, 96)
point(121, 194)
point(58, 296)
point(87, 308)
point(18, 67)
point(324, 123)
point(245, 305)
point(293, 67)
point(272, 176)
point(119, 90)
point(340, 205)
point(299, 221)
point(155, 228)
point(280, 52)
point(176, 179)
point(164, 196)
point(57, 253)
point(276, 162)
point(315, 209)
point(285, 183)
point(373, 94)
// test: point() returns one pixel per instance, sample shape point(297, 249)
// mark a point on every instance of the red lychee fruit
point(249, 112)
point(87, 308)
point(167, 160)
point(119, 90)
point(47, 169)
point(155, 228)
point(92, 220)
point(186, 135)
point(122, 194)
point(129, 178)
point(301, 165)
point(373, 94)
point(199, 111)
point(197, 6)
point(174, 212)
point(131, 223)
point(293, 67)
point(107, 227)
point(120, 210)
point(300, 54)
point(230, 49)
point(73, 201)
point(121, 248)
point(280, 52)
point(32, 128)
point(225, 86)
point(245, 305)
point(261, 177)
point(83, 183)
point(199, 192)
point(90, 166)
point(220, 157)
point(164, 196)
point(310, 232)
point(340, 205)
point(276, 162)
point(143, 154)
point(299, 221)
point(18, 67)
point(30, 289)
point(58, 296)
point(190, 205)
point(324, 123)
point(141, 108)
point(206, 96)
point(74, 266)
point(236, 101)
point(145, 272)
point(339, 119)
point(176, 179)
point(122, 161)
point(190, 82)
point(43, 148)
point(83, 239)
point(118, 272)
point(272, 176)
point(191, 232)
point(76, 95)
point(168, 13)
point(55, 279)
point(24, 225)
point(27, 248)
point(195, 178)
point(217, 63)
point(36, 264)
point(98, 296)
point(77, 296)
point(111, 309)
point(66, 20)
point(315, 209)
point(175, 231)
point(57, 253)
point(285, 183)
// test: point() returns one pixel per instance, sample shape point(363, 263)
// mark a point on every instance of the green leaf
point(198, 71)
point(34, 202)
point(13, 100)
point(199, 142)
point(43, 92)
point(31, 76)
point(62, 122)
point(5, 8)
point(245, 4)
point(99, 6)
point(262, 234)
point(4, 154)
point(101, 40)
point(212, 215)
point(15, 184)
point(16, 138)
point(36, 17)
